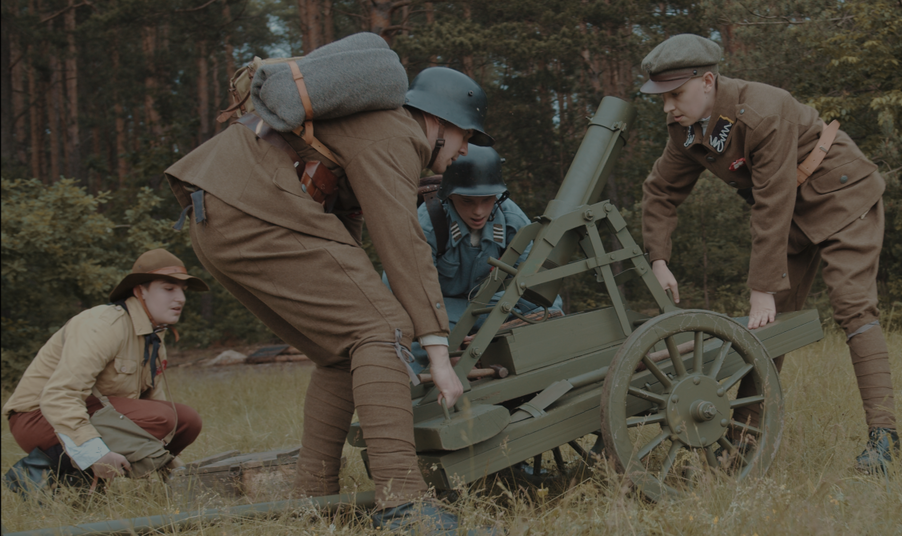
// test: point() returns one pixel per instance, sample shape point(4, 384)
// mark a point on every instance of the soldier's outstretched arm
point(443, 374)
point(665, 278)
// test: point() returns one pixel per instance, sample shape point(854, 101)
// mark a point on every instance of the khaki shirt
point(102, 346)
point(380, 156)
point(773, 133)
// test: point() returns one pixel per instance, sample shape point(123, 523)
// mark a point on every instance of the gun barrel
point(587, 176)
point(591, 167)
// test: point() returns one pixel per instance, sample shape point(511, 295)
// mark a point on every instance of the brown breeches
point(32, 430)
point(325, 298)
point(850, 258)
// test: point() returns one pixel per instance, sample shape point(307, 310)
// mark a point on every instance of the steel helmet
point(453, 96)
point(476, 174)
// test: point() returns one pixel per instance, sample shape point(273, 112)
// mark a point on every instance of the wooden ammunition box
point(258, 476)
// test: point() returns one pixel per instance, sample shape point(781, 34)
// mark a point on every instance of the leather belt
point(815, 157)
point(316, 179)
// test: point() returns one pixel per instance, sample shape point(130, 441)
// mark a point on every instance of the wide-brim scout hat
point(678, 60)
point(156, 264)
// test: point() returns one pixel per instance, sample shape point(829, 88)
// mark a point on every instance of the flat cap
point(678, 59)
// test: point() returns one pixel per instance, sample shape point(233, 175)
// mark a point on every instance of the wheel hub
point(696, 409)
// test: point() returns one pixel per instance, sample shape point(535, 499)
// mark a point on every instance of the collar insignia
point(720, 133)
point(455, 231)
point(498, 232)
point(690, 136)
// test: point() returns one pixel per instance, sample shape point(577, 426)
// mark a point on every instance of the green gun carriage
point(649, 388)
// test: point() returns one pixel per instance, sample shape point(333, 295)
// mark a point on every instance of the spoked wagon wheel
point(682, 404)
point(564, 462)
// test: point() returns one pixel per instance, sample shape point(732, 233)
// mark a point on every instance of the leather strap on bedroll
point(316, 179)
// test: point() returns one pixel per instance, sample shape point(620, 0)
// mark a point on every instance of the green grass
point(811, 487)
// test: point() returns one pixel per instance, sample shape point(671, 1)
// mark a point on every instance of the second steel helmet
point(476, 174)
point(453, 96)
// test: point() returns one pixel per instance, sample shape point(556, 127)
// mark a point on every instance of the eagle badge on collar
point(690, 136)
point(721, 132)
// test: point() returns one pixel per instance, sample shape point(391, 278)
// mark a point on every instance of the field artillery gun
point(650, 388)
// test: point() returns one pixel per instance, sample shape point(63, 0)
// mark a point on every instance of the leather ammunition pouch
point(316, 179)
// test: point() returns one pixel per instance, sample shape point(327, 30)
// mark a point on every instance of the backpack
point(356, 74)
point(240, 88)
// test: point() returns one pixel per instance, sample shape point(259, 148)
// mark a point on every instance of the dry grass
point(810, 489)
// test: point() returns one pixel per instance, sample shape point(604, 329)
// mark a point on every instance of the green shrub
point(63, 250)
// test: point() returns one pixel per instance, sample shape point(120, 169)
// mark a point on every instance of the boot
point(882, 447)
point(31, 474)
point(45, 471)
point(423, 519)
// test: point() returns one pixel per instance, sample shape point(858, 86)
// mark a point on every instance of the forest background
point(100, 96)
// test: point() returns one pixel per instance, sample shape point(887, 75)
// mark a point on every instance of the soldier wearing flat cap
point(113, 351)
point(815, 198)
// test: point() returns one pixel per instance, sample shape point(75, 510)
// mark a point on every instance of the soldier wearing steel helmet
point(814, 197)
point(299, 266)
point(471, 219)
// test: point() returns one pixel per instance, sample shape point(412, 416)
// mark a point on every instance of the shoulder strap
point(439, 224)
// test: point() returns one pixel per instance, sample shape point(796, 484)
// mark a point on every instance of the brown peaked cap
point(677, 60)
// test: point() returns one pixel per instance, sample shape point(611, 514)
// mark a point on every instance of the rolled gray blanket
point(355, 74)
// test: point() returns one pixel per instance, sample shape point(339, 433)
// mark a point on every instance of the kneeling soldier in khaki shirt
point(301, 269)
point(827, 206)
point(114, 350)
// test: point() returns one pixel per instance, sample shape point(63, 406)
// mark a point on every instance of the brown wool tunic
point(380, 156)
point(303, 273)
point(774, 133)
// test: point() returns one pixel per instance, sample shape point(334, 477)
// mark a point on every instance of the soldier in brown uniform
point(758, 138)
point(301, 269)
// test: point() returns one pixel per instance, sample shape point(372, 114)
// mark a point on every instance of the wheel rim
point(683, 403)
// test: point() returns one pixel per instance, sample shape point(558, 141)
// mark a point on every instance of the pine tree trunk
point(151, 85)
point(313, 25)
point(119, 112)
point(430, 20)
point(380, 18)
point(35, 110)
point(229, 56)
point(94, 177)
point(54, 115)
point(203, 94)
point(328, 23)
point(73, 143)
point(17, 98)
point(227, 41)
point(217, 92)
point(468, 59)
point(7, 142)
